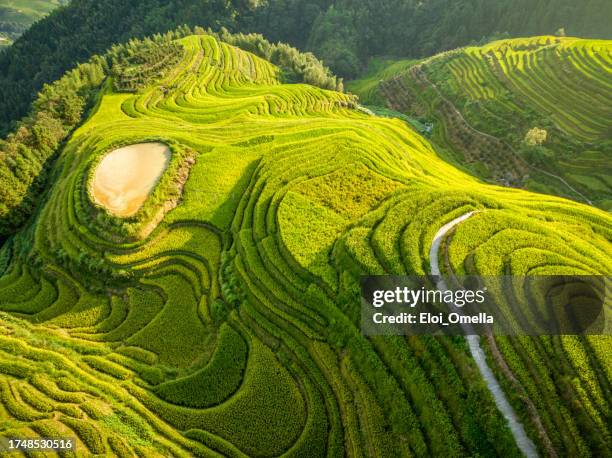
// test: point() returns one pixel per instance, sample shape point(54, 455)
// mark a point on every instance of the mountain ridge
point(343, 33)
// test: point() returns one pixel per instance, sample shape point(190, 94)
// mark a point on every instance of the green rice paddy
point(223, 318)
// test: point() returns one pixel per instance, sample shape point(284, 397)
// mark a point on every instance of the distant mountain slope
point(344, 33)
point(17, 15)
point(517, 111)
point(351, 31)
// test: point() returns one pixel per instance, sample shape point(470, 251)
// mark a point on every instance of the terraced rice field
point(540, 70)
point(485, 99)
point(223, 317)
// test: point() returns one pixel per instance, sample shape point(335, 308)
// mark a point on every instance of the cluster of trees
point(536, 136)
point(25, 153)
point(344, 33)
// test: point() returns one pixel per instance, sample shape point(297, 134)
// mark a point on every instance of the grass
point(224, 316)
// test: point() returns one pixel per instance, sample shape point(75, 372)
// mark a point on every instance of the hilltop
point(223, 317)
point(533, 112)
point(28, 152)
point(343, 33)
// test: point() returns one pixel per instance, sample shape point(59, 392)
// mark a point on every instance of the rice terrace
point(185, 228)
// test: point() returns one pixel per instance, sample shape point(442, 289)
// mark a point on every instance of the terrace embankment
point(126, 176)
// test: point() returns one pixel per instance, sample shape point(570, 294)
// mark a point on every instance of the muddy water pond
point(125, 177)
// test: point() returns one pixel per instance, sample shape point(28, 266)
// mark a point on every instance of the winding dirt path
point(523, 442)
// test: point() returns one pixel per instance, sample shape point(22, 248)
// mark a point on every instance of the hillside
point(28, 152)
point(17, 16)
point(343, 33)
point(224, 316)
point(534, 113)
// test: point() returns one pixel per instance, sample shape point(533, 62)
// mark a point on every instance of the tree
point(536, 137)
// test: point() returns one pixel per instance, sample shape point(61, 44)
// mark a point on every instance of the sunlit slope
point(485, 100)
point(569, 79)
point(223, 318)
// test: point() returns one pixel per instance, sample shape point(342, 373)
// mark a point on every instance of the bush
point(535, 137)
